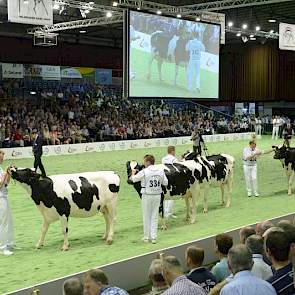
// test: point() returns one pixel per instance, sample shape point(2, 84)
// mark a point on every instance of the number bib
point(153, 185)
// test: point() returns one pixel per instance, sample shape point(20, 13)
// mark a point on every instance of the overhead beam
point(226, 4)
point(91, 22)
point(255, 33)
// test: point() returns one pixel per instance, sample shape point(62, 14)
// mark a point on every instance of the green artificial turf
point(140, 86)
point(29, 266)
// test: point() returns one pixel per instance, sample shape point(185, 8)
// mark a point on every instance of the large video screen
point(171, 57)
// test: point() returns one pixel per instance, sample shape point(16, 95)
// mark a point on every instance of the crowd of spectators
point(101, 114)
point(260, 264)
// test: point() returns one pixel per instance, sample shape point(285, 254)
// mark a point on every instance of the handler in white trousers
point(152, 180)
point(169, 159)
point(275, 127)
point(250, 155)
point(6, 224)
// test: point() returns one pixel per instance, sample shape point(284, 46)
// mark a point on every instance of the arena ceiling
point(111, 35)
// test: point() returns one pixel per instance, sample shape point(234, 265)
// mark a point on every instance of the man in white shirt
point(6, 224)
point(152, 179)
point(260, 269)
point(258, 124)
point(275, 127)
point(250, 155)
point(169, 159)
point(194, 47)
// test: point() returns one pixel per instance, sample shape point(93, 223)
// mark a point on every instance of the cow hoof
point(221, 203)
point(109, 241)
point(192, 221)
point(39, 246)
point(227, 206)
point(163, 227)
point(206, 211)
point(104, 237)
point(65, 248)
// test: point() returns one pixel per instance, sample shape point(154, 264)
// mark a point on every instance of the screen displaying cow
point(171, 57)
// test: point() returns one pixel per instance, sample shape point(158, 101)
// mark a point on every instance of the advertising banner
point(103, 76)
point(287, 36)
point(32, 70)
point(15, 71)
point(35, 12)
point(51, 72)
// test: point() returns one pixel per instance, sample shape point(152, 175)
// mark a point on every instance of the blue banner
point(103, 76)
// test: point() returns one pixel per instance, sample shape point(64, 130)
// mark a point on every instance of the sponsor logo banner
point(51, 72)
point(287, 36)
point(15, 71)
point(35, 12)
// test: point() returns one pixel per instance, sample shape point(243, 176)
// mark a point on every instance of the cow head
point(280, 152)
point(132, 165)
point(24, 175)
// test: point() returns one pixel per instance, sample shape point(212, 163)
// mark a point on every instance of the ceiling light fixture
point(109, 14)
point(230, 24)
point(244, 26)
point(257, 28)
point(115, 3)
point(159, 12)
point(198, 19)
point(82, 31)
point(271, 20)
point(238, 35)
point(178, 16)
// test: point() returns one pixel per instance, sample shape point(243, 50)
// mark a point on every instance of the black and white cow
point(189, 179)
point(287, 157)
point(77, 195)
point(221, 168)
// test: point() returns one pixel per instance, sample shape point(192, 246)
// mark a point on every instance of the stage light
point(271, 31)
point(109, 14)
point(82, 32)
point(159, 12)
point(178, 16)
point(244, 26)
point(230, 24)
point(91, 3)
point(253, 39)
point(87, 11)
point(245, 39)
point(115, 3)
point(251, 36)
point(33, 92)
point(271, 20)
point(238, 35)
point(138, 8)
point(257, 28)
point(198, 19)
point(55, 6)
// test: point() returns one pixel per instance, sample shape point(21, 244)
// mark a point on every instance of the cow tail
point(161, 208)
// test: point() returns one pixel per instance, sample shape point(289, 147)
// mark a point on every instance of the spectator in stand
point(246, 232)
point(72, 287)
point(240, 263)
point(223, 243)
point(175, 278)
point(263, 226)
point(277, 246)
point(159, 285)
point(199, 274)
point(260, 269)
point(96, 282)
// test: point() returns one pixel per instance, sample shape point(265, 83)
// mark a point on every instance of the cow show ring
point(120, 205)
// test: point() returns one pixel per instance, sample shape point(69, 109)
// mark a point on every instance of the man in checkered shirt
point(178, 282)
point(96, 282)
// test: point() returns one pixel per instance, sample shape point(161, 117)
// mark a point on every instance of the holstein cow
point(78, 195)
point(287, 157)
point(221, 168)
point(189, 179)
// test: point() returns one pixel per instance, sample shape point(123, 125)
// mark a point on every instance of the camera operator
point(198, 142)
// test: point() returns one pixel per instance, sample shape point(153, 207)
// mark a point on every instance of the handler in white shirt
point(6, 224)
point(152, 179)
point(275, 127)
point(169, 159)
point(250, 155)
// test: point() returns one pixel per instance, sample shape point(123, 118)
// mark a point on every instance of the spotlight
point(244, 26)
point(159, 12)
point(198, 19)
point(253, 39)
point(55, 6)
point(91, 3)
point(115, 3)
point(251, 36)
point(33, 92)
point(238, 35)
point(271, 20)
point(245, 39)
point(109, 14)
point(257, 28)
point(87, 11)
point(138, 8)
point(82, 32)
point(178, 16)
point(271, 31)
point(230, 24)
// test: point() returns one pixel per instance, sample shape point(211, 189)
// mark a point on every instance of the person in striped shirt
point(277, 245)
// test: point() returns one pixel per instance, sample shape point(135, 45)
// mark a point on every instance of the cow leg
point(193, 208)
point(229, 192)
point(111, 215)
point(203, 195)
point(64, 227)
point(290, 181)
point(105, 215)
point(44, 230)
point(222, 194)
point(187, 203)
